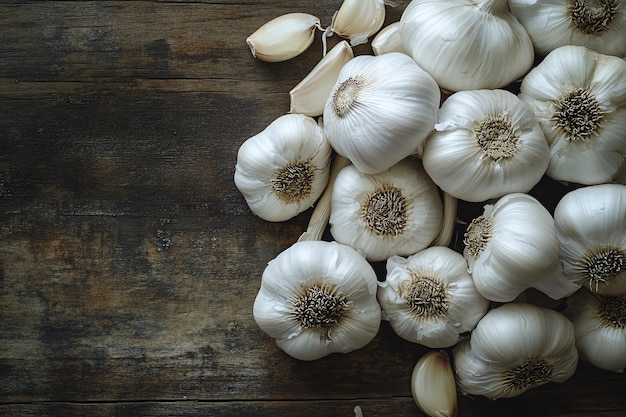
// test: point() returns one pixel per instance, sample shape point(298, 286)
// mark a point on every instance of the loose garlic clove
point(433, 385)
point(357, 20)
point(283, 37)
point(311, 94)
point(388, 40)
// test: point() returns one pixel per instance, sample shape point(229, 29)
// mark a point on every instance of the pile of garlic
point(458, 102)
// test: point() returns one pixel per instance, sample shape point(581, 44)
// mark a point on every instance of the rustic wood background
point(130, 262)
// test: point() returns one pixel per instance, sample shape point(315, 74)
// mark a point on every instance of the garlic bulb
point(591, 227)
point(317, 298)
point(283, 37)
point(513, 246)
point(600, 329)
point(514, 348)
point(394, 212)
point(357, 20)
point(381, 110)
point(433, 385)
point(282, 170)
point(597, 24)
point(487, 144)
point(429, 298)
point(466, 45)
point(311, 94)
point(388, 40)
point(579, 99)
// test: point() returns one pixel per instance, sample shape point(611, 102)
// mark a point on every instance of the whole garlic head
point(591, 227)
point(514, 348)
point(318, 298)
point(579, 99)
point(381, 110)
point(394, 212)
point(467, 45)
point(487, 143)
point(283, 170)
point(513, 246)
point(429, 298)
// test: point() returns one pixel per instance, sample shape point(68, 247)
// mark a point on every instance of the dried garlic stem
point(449, 219)
point(321, 213)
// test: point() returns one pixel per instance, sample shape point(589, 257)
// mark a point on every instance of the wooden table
point(129, 260)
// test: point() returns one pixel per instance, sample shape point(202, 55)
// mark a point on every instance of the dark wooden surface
point(129, 262)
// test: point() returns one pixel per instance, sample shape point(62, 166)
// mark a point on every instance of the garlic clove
point(283, 37)
point(357, 20)
point(388, 40)
point(433, 385)
point(311, 94)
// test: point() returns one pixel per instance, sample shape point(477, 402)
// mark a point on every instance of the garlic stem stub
point(318, 298)
point(467, 45)
point(283, 37)
point(579, 98)
point(429, 298)
point(284, 169)
point(357, 20)
point(600, 328)
point(513, 246)
point(433, 385)
point(381, 110)
point(515, 347)
point(311, 94)
point(591, 227)
point(599, 25)
point(487, 143)
point(394, 212)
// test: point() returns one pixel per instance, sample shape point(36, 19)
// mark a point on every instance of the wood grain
point(129, 262)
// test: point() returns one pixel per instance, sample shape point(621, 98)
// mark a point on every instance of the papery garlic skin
point(466, 45)
point(591, 227)
point(429, 298)
point(283, 170)
point(515, 347)
point(381, 110)
point(579, 99)
point(597, 25)
point(600, 329)
point(311, 94)
point(513, 246)
point(487, 144)
point(394, 212)
point(318, 298)
point(283, 37)
point(357, 20)
point(433, 385)
point(388, 40)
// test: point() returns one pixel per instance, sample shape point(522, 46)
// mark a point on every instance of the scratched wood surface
point(129, 262)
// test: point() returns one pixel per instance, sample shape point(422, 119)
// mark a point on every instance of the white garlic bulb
point(394, 212)
point(429, 298)
point(579, 99)
point(487, 144)
point(514, 348)
point(597, 24)
point(381, 110)
point(357, 20)
point(282, 170)
point(310, 95)
point(513, 246)
point(433, 385)
point(600, 328)
point(591, 227)
point(318, 298)
point(467, 45)
point(388, 40)
point(283, 37)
